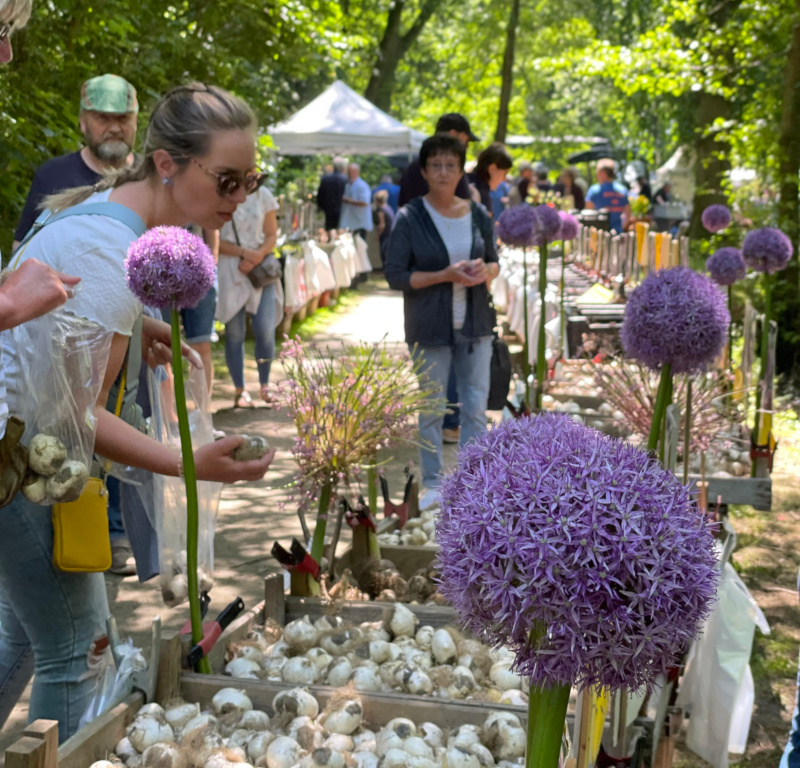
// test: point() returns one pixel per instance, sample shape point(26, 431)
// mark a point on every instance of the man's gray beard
point(113, 152)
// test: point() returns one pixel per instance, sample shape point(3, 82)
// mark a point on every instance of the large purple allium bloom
point(516, 226)
point(577, 551)
point(675, 316)
point(715, 218)
point(767, 250)
point(570, 227)
point(169, 267)
point(726, 266)
point(547, 225)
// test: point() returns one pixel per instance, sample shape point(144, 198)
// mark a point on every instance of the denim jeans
point(452, 419)
point(60, 614)
point(472, 363)
point(116, 528)
point(263, 323)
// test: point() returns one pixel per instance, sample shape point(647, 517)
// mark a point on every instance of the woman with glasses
point(246, 241)
point(442, 256)
point(195, 167)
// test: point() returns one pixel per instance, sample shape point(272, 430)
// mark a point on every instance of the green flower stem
point(547, 711)
point(526, 360)
point(563, 283)
point(372, 493)
point(687, 427)
point(667, 403)
point(190, 481)
point(762, 376)
point(730, 328)
point(541, 365)
point(318, 542)
point(661, 407)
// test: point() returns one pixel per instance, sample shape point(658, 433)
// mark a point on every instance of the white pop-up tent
point(339, 121)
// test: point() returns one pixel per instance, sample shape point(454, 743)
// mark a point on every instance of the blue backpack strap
point(113, 210)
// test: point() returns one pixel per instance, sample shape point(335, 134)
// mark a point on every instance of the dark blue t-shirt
point(56, 175)
point(394, 193)
point(613, 197)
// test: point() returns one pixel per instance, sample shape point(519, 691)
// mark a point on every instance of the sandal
point(243, 400)
point(267, 396)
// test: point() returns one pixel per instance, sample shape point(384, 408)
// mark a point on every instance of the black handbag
point(266, 272)
point(500, 371)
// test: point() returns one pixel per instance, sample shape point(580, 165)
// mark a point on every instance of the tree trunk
point(393, 47)
point(712, 159)
point(508, 73)
point(787, 305)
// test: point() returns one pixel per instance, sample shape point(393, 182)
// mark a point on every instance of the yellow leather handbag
point(81, 543)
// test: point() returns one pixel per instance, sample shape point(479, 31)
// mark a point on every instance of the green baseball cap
point(109, 93)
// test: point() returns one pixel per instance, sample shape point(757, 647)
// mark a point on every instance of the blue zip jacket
point(416, 246)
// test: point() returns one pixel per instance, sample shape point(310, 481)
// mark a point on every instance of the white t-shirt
point(93, 248)
point(457, 236)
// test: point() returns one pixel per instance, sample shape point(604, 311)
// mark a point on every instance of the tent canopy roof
point(339, 121)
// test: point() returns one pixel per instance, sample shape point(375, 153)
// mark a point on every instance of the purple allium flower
point(516, 226)
point(569, 226)
point(715, 218)
point(675, 316)
point(547, 224)
point(580, 553)
point(169, 267)
point(767, 250)
point(726, 266)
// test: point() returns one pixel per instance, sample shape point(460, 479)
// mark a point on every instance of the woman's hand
point(157, 344)
point(461, 274)
point(214, 462)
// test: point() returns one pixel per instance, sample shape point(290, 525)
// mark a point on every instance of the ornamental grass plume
point(677, 321)
point(171, 267)
point(580, 553)
point(767, 250)
point(715, 218)
point(726, 266)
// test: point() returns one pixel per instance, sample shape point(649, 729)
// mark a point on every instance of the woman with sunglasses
point(195, 167)
point(245, 242)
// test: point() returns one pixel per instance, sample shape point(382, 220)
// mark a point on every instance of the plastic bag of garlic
point(394, 655)
point(297, 734)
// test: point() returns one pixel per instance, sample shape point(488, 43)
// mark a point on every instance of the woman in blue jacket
point(442, 255)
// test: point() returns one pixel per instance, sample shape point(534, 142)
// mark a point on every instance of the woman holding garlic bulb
point(196, 166)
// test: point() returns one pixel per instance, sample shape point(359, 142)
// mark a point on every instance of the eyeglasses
point(5, 30)
point(448, 168)
point(229, 182)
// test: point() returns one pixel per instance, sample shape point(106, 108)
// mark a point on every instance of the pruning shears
point(212, 631)
point(296, 559)
point(390, 508)
point(360, 516)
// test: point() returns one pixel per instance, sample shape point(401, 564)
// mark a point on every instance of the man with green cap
point(108, 122)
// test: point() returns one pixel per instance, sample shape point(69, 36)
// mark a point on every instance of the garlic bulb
point(34, 489)
point(327, 623)
point(240, 738)
point(244, 668)
point(464, 735)
point(163, 755)
point(374, 630)
point(124, 749)
point(103, 764)
point(205, 723)
point(340, 742)
point(258, 744)
point(462, 685)
point(143, 732)
point(414, 680)
point(395, 758)
point(283, 753)
point(305, 732)
point(281, 648)
point(46, 454)
point(502, 676)
point(443, 647)
point(365, 760)
point(254, 720)
point(366, 679)
point(152, 710)
point(483, 754)
point(178, 715)
point(403, 622)
point(401, 726)
point(324, 757)
point(424, 637)
point(297, 702)
point(299, 670)
point(319, 658)
point(341, 641)
point(338, 672)
point(273, 665)
point(345, 718)
point(431, 734)
point(504, 736)
point(461, 757)
point(300, 635)
point(514, 698)
point(416, 746)
point(135, 762)
point(229, 704)
point(250, 652)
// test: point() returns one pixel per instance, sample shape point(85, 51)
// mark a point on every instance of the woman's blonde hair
point(182, 123)
point(18, 11)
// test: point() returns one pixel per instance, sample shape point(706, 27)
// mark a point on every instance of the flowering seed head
point(715, 218)
point(726, 266)
point(767, 250)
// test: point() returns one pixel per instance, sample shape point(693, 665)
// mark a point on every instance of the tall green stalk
point(372, 493)
point(563, 324)
point(190, 481)
point(730, 328)
point(762, 376)
point(547, 711)
point(526, 360)
point(661, 407)
point(687, 431)
point(541, 363)
point(318, 542)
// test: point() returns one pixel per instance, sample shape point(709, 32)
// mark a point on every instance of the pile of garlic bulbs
point(418, 531)
point(393, 655)
point(231, 734)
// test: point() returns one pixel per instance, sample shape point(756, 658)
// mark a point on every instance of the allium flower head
point(726, 266)
point(516, 226)
point(547, 224)
point(675, 316)
point(569, 226)
point(577, 551)
point(767, 250)
point(169, 267)
point(715, 218)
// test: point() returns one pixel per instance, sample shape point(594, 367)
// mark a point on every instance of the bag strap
point(235, 232)
point(116, 211)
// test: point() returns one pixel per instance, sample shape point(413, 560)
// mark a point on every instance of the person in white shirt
point(356, 204)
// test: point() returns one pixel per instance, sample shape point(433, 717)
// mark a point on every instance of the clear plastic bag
point(61, 362)
point(167, 511)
